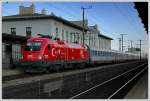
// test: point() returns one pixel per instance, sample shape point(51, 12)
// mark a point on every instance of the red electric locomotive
point(43, 53)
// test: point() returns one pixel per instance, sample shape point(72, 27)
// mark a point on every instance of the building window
point(3, 51)
point(56, 32)
point(74, 37)
point(67, 36)
point(71, 36)
point(78, 37)
point(13, 31)
point(28, 31)
point(94, 41)
point(62, 34)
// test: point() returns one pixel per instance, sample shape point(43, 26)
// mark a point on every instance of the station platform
point(9, 72)
point(140, 90)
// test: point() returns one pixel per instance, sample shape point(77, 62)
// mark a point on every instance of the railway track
point(114, 88)
point(97, 82)
point(25, 75)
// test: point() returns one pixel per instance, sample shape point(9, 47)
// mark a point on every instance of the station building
point(94, 38)
point(17, 28)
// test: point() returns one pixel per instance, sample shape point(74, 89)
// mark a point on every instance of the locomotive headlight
point(40, 56)
point(46, 56)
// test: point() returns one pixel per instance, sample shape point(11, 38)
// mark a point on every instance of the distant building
point(26, 10)
point(93, 37)
point(42, 24)
point(98, 40)
point(134, 50)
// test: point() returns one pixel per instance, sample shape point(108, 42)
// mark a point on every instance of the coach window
point(93, 53)
point(28, 31)
point(13, 31)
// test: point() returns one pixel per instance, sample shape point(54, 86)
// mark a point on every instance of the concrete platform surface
point(140, 90)
point(9, 72)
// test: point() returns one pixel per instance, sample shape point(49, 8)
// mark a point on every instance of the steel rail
point(105, 82)
point(127, 83)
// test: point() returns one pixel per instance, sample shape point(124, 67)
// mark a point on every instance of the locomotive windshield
point(33, 46)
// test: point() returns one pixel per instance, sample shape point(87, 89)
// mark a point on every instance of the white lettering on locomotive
point(53, 52)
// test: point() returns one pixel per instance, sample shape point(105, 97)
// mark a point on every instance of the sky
point(112, 18)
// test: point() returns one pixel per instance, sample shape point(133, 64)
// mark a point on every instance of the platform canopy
point(9, 38)
point(142, 8)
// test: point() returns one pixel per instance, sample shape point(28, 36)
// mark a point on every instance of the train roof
point(115, 51)
point(56, 42)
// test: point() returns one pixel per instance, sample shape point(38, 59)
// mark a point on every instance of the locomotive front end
point(32, 56)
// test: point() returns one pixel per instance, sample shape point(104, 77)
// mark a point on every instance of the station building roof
point(104, 36)
point(39, 17)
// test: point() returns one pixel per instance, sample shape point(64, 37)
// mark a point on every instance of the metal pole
point(131, 45)
point(83, 8)
point(140, 49)
point(119, 44)
point(83, 24)
point(89, 39)
point(122, 40)
point(122, 43)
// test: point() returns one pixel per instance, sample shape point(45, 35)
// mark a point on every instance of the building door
point(11, 53)
point(6, 55)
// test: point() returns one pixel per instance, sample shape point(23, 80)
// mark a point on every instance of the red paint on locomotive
point(47, 49)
